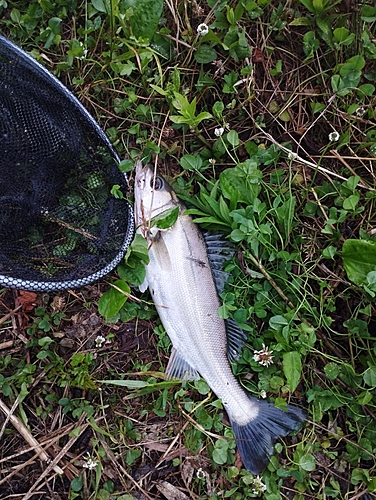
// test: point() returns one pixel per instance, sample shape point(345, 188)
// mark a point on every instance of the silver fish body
point(183, 289)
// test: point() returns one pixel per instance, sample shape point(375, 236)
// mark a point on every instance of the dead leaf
point(28, 300)
point(170, 491)
point(58, 303)
point(187, 472)
point(257, 55)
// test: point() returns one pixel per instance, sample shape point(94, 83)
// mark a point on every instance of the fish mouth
point(141, 175)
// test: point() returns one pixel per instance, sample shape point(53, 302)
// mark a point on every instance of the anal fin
point(236, 338)
point(178, 367)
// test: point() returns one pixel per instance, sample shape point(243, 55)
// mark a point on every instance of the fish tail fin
point(256, 438)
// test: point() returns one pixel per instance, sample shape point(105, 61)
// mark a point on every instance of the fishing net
point(60, 226)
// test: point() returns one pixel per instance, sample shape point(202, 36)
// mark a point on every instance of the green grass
point(265, 126)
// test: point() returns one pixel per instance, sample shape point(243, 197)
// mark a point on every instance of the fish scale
point(183, 289)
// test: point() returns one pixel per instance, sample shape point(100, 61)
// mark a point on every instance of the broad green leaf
point(285, 116)
point(369, 376)
point(364, 397)
point(224, 210)
point(220, 452)
point(329, 252)
point(166, 219)
point(135, 274)
point(307, 462)
point(278, 322)
point(308, 5)
point(278, 68)
point(145, 18)
point(99, 5)
point(301, 21)
point(368, 13)
point(45, 341)
point(318, 5)
point(159, 89)
point(331, 371)
point(191, 108)
point(126, 165)
point(366, 89)
point(352, 182)
point(209, 220)
point(181, 103)
point(237, 235)
point(181, 119)
point(112, 301)
point(237, 186)
point(351, 202)
point(317, 107)
point(202, 386)
point(233, 138)
point(358, 475)
point(139, 248)
point(204, 115)
point(205, 54)
point(371, 278)
point(355, 63)
point(326, 28)
point(359, 258)
point(191, 162)
point(292, 368)
point(340, 34)
point(218, 108)
point(6, 389)
point(76, 484)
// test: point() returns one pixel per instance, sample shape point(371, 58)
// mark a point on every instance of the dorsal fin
point(219, 250)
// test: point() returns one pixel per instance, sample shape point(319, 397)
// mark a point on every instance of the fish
point(183, 288)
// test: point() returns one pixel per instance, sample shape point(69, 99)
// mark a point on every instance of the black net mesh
point(60, 226)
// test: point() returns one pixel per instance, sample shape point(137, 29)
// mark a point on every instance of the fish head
point(153, 194)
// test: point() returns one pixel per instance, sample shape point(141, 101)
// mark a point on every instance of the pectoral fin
point(161, 253)
point(144, 285)
point(178, 367)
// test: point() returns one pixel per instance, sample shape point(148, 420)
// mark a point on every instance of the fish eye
point(157, 184)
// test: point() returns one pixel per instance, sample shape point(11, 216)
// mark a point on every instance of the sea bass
point(183, 288)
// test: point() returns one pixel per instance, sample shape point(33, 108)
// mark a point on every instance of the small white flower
point(84, 51)
point(258, 486)
point(264, 357)
point(200, 473)
point(333, 136)
point(219, 131)
point(360, 111)
point(99, 341)
point(90, 463)
point(202, 29)
point(263, 394)
point(212, 161)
